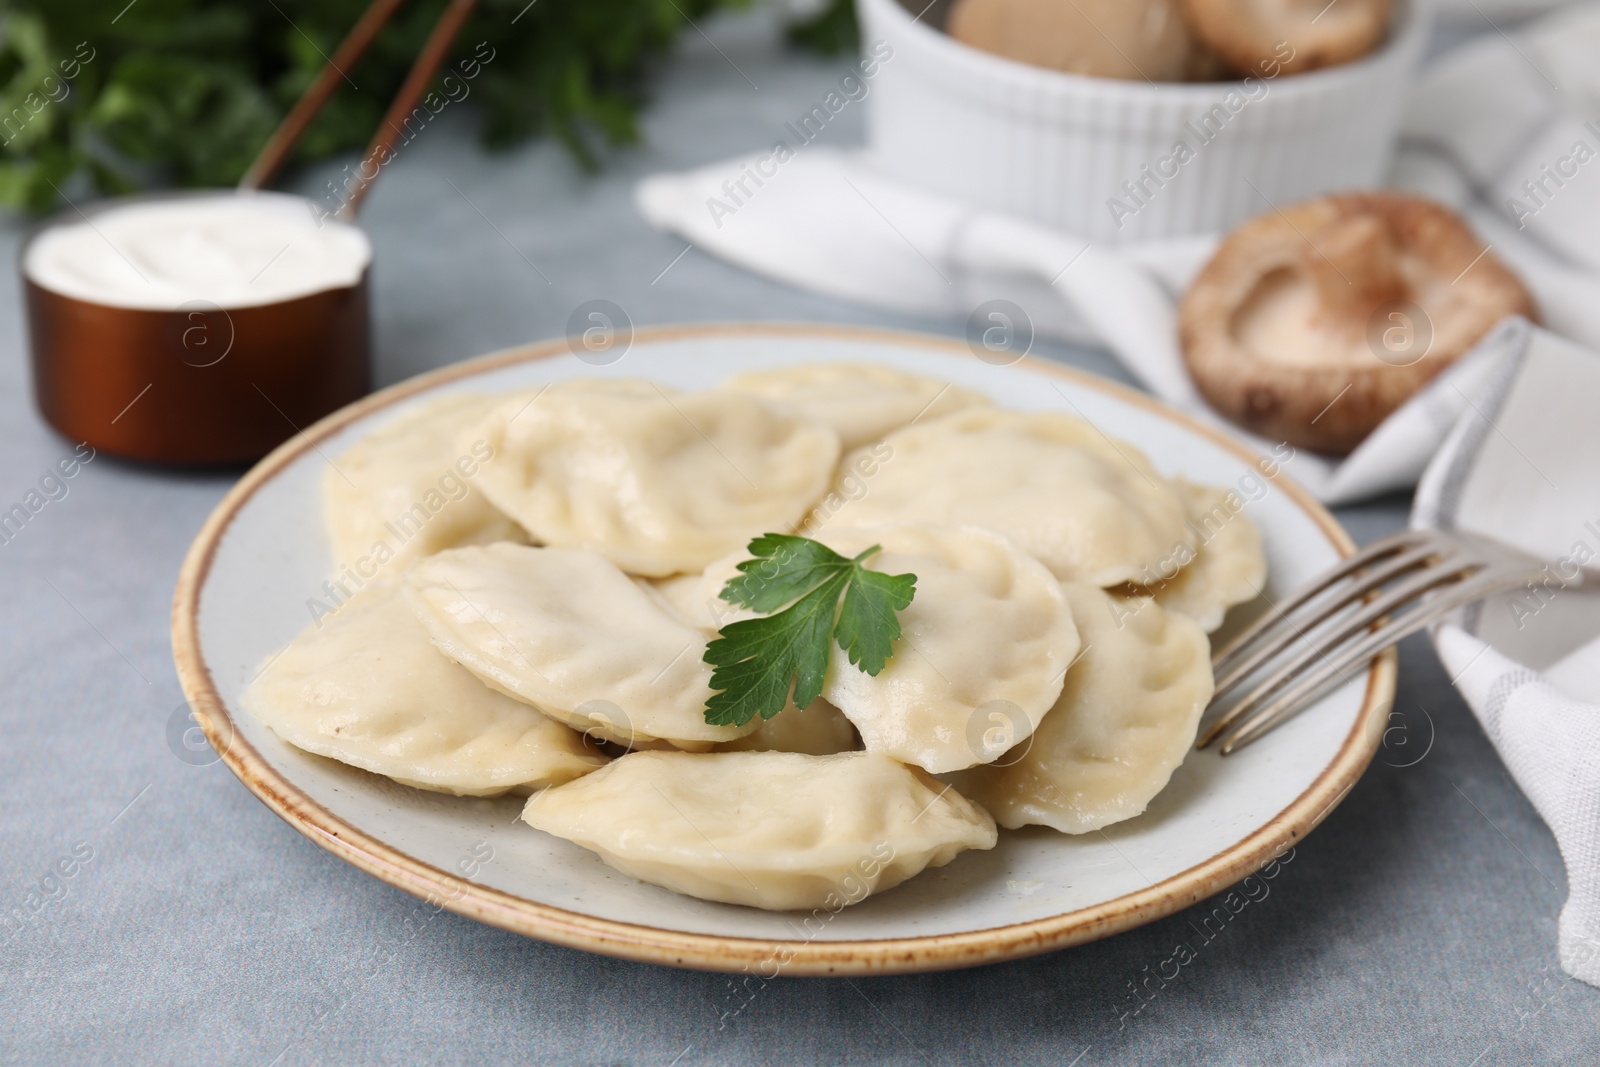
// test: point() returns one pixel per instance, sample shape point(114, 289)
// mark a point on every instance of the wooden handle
point(276, 151)
point(422, 71)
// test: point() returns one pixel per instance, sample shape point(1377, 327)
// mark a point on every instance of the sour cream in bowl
point(198, 327)
point(232, 249)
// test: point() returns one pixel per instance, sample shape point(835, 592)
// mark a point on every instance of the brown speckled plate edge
point(706, 951)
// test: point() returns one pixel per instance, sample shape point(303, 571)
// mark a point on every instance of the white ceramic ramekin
point(1099, 157)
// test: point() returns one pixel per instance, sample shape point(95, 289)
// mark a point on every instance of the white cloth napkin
point(829, 223)
point(1525, 469)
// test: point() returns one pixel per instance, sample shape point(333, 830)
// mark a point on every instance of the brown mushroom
point(1138, 39)
point(1273, 37)
point(1311, 324)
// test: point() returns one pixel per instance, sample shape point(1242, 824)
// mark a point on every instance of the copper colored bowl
point(198, 384)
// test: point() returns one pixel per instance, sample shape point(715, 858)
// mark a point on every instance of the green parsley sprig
point(829, 597)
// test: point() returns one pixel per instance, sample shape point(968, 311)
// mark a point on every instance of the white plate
point(262, 555)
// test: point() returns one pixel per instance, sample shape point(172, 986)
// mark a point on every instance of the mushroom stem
point(1355, 265)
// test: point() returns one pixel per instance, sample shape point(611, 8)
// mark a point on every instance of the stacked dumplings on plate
point(532, 595)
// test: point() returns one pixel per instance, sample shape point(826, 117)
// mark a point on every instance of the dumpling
point(1228, 567)
point(862, 401)
point(983, 649)
point(984, 646)
point(681, 595)
point(1090, 509)
point(368, 689)
point(1126, 718)
point(818, 729)
point(564, 630)
point(407, 490)
point(697, 598)
point(657, 481)
point(773, 830)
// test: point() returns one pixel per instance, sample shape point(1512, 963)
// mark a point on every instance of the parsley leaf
point(867, 626)
point(785, 568)
point(829, 598)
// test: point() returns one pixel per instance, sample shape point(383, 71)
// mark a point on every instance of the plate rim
point(713, 952)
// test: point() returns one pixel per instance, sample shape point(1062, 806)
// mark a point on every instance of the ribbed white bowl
point(1058, 147)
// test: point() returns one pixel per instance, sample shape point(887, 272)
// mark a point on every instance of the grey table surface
point(1415, 926)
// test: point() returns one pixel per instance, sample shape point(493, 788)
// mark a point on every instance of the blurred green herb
point(185, 92)
point(830, 31)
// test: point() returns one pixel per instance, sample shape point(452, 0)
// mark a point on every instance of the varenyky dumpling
point(657, 481)
point(409, 489)
point(681, 594)
point(1228, 567)
point(697, 598)
point(984, 647)
point(771, 830)
point(862, 401)
point(1125, 721)
point(566, 631)
point(818, 729)
point(1090, 509)
point(367, 688)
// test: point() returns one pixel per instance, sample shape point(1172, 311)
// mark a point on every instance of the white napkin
point(1525, 469)
point(829, 223)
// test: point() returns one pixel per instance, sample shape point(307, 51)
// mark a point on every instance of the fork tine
point(1485, 583)
point(1326, 607)
point(1380, 548)
point(1400, 595)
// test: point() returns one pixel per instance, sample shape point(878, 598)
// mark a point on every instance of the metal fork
point(1389, 590)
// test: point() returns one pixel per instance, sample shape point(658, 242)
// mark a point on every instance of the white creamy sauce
point(232, 249)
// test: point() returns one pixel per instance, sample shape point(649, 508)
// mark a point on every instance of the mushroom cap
point(1311, 324)
point(1135, 39)
point(1250, 34)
